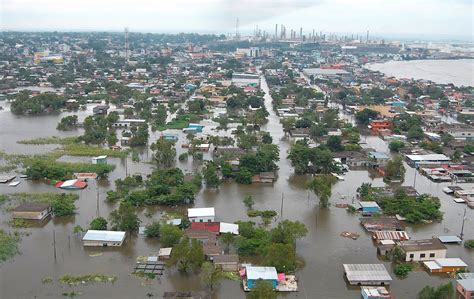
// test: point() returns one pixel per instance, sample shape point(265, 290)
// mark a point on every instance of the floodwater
point(458, 72)
point(323, 251)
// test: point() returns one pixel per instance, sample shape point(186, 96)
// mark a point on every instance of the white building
point(242, 80)
point(103, 238)
point(423, 250)
point(201, 215)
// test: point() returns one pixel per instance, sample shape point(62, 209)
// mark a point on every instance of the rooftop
point(366, 272)
point(32, 207)
point(104, 235)
point(422, 245)
point(201, 212)
point(267, 273)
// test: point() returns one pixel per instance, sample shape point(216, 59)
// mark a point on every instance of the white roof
point(366, 272)
point(165, 251)
point(229, 228)
point(100, 157)
point(201, 212)
point(68, 183)
point(432, 265)
point(429, 157)
point(369, 204)
point(261, 273)
point(450, 262)
point(104, 235)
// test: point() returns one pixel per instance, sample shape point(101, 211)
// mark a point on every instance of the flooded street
point(323, 250)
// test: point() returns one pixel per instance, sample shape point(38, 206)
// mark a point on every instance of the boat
point(448, 190)
point(14, 184)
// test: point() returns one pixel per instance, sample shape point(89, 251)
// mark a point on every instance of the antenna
point(237, 35)
point(126, 44)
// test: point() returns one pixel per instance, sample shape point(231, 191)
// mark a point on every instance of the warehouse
point(103, 238)
point(367, 274)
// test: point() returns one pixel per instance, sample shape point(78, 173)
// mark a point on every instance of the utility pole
point(414, 179)
point(461, 236)
point(97, 187)
point(54, 244)
point(281, 208)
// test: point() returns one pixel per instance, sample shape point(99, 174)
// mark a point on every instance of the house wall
point(228, 267)
point(102, 243)
point(251, 283)
point(447, 269)
point(461, 293)
point(417, 255)
point(202, 219)
point(31, 215)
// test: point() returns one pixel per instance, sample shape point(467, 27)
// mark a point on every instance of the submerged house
point(445, 265)
point(32, 210)
point(254, 273)
point(103, 238)
point(367, 274)
point(227, 262)
point(201, 214)
point(423, 250)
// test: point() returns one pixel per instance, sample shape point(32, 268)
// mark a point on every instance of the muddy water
point(323, 251)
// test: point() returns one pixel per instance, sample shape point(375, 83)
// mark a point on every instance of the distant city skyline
point(384, 18)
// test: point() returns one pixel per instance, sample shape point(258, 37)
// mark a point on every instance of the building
point(169, 137)
point(379, 159)
point(208, 226)
point(201, 214)
point(103, 238)
point(380, 125)
point(465, 286)
point(244, 79)
point(32, 210)
point(99, 160)
point(228, 228)
point(423, 250)
point(375, 293)
point(227, 262)
point(164, 253)
point(128, 123)
point(100, 110)
point(429, 159)
point(369, 207)
point(464, 133)
point(390, 235)
point(367, 274)
point(254, 273)
point(445, 265)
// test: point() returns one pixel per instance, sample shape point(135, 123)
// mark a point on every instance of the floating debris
point(86, 279)
point(95, 254)
point(353, 236)
point(342, 205)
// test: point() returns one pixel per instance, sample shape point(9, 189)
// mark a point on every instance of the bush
point(244, 176)
point(396, 145)
point(183, 157)
point(98, 224)
point(402, 270)
point(469, 244)
point(152, 230)
point(63, 206)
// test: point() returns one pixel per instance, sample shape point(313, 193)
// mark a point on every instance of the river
point(323, 250)
point(458, 72)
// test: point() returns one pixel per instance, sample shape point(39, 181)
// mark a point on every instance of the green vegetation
point(74, 280)
point(366, 115)
point(78, 149)
point(40, 168)
point(469, 244)
point(396, 145)
point(321, 185)
point(63, 206)
point(403, 269)
point(124, 218)
point(444, 291)
point(248, 201)
point(99, 223)
point(211, 275)
point(152, 230)
point(50, 140)
point(164, 152)
point(170, 235)
point(262, 290)
point(187, 255)
point(210, 174)
point(8, 245)
point(44, 102)
point(301, 155)
point(62, 203)
point(67, 123)
point(395, 169)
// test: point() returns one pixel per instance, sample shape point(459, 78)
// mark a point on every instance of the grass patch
point(50, 140)
point(175, 125)
point(8, 245)
point(48, 197)
point(469, 244)
point(18, 223)
point(74, 280)
point(78, 149)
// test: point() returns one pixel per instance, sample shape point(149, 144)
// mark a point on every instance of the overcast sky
point(381, 17)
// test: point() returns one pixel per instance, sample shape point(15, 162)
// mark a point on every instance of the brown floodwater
point(323, 250)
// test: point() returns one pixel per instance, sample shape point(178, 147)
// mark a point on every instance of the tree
point(152, 230)
point(281, 256)
point(98, 223)
point(334, 143)
point(210, 175)
point(248, 201)
point(366, 115)
point(267, 138)
point(364, 190)
point(262, 290)
point(63, 206)
point(210, 275)
point(396, 145)
point(321, 186)
point(170, 235)
point(124, 219)
point(288, 123)
point(227, 239)
point(403, 269)
point(244, 176)
point(165, 152)
point(187, 255)
point(67, 123)
point(287, 232)
point(395, 169)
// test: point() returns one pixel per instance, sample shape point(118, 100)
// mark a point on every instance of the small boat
point(14, 184)
point(23, 176)
point(448, 190)
point(339, 177)
point(459, 200)
point(71, 185)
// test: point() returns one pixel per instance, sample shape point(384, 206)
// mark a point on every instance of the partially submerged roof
point(32, 207)
point(266, 273)
point(201, 212)
point(449, 239)
point(467, 284)
point(229, 228)
point(226, 258)
point(165, 251)
point(104, 235)
point(366, 272)
point(369, 204)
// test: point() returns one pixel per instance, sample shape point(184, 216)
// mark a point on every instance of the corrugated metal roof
point(261, 273)
point(104, 235)
point(229, 228)
point(201, 212)
point(450, 239)
point(366, 272)
point(390, 235)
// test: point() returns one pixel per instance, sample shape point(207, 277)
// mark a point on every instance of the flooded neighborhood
point(273, 165)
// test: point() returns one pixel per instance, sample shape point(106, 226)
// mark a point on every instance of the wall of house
point(202, 219)
point(461, 293)
point(418, 255)
point(251, 283)
point(30, 215)
point(102, 243)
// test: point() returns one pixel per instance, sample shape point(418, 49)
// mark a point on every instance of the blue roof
point(378, 155)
